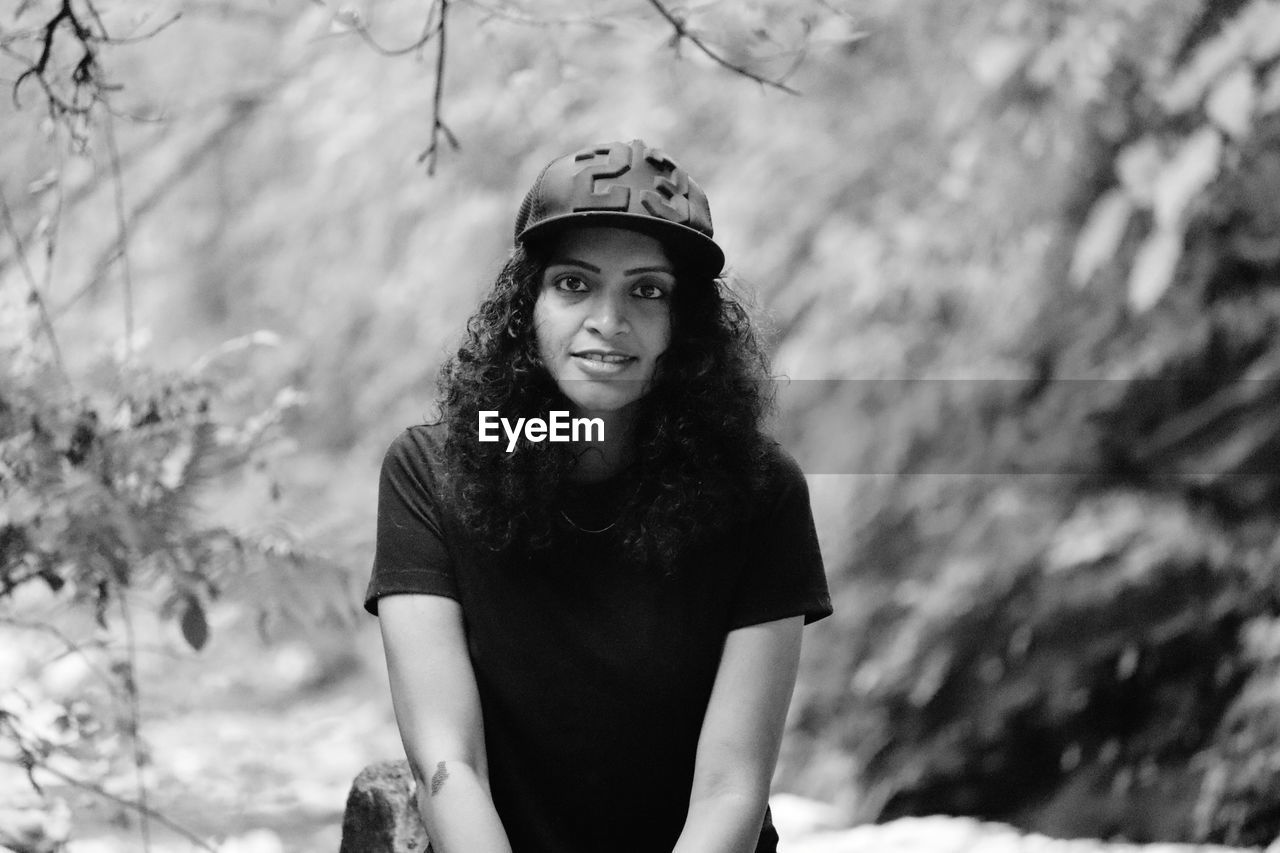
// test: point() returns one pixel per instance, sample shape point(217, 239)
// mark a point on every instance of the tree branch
point(71, 646)
point(121, 801)
point(135, 717)
point(434, 28)
point(438, 127)
point(683, 32)
point(159, 28)
point(240, 111)
point(122, 225)
point(46, 322)
point(97, 19)
point(429, 31)
point(88, 187)
point(54, 228)
point(528, 20)
point(236, 13)
point(86, 75)
point(16, 36)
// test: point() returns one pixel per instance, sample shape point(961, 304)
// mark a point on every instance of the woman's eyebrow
point(574, 262)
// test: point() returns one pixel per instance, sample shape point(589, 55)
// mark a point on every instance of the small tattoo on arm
point(437, 780)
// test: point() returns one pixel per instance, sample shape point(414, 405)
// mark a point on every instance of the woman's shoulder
point(418, 449)
point(778, 480)
point(780, 469)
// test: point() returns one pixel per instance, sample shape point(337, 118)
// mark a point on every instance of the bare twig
point(436, 27)
point(122, 223)
point(831, 7)
point(46, 322)
point(438, 127)
point(16, 37)
point(155, 31)
point(528, 20)
point(237, 13)
point(180, 172)
point(683, 32)
point(429, 31)
point(69, 201)
point(55, 225)
point(86, 75)
point(97, 19)
point(140, 808)
point(135, 716)
point(87, 84)
point(71, 646)
point(802, 53)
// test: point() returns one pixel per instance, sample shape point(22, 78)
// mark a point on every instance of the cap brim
point(690, 248)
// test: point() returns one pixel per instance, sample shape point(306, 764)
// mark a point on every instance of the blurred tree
point(61, 56)
point(1090, 649)
point(1077, 196)
point(142, 138)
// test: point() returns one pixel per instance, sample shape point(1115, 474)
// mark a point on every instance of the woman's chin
point(602, 405)
point(588, 398)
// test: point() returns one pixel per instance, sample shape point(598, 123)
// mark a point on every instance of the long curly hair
point(699, 454)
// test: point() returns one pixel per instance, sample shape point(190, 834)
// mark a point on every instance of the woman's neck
point(600, 460)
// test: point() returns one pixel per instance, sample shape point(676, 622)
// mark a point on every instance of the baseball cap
point(625, 185)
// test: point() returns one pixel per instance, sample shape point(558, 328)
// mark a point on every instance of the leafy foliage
point(102, 511)
point(1062, 215)
point(1089, 648)
point(101, 494)
point(124, 487)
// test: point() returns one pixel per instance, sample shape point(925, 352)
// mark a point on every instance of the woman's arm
point(740, 737)
point(433, 690)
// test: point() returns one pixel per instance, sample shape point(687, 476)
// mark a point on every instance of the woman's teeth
point(607, 359)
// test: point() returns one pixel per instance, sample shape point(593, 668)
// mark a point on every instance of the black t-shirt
point(594, 673)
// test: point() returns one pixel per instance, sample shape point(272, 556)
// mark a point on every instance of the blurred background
point(1016, 261)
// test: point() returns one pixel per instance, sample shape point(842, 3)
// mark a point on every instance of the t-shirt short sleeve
point(783, 572)
point(410, 555)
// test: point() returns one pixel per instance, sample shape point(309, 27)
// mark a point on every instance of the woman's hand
point(740, 737)
point(437, 705)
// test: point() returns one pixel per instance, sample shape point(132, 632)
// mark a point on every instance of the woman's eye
point(570, 284)
point(649, 291)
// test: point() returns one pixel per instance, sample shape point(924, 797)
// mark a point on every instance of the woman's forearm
point(458, 811)
point(722, 823)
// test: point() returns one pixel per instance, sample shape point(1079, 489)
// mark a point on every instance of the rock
point(380, 816)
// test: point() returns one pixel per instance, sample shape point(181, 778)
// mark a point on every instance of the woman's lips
point(601, 363)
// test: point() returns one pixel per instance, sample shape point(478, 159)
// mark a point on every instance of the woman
point(592, 643)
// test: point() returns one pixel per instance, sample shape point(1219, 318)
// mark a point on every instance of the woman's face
point(603, 316)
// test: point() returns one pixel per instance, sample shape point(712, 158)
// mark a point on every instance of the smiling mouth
point(605, 357)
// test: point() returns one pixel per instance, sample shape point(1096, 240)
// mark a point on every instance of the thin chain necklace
point(576, 526)
point(579, 527)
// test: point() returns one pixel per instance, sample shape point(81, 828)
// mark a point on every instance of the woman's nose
point(608, 316)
